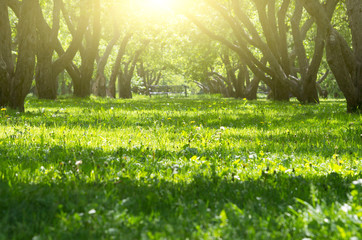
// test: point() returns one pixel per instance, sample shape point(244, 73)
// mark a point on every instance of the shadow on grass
point(131, 207)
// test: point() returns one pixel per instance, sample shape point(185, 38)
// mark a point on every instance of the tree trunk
point(6, 62)
point(100, 85)
point(63, 84)
point(46, 83)
point(279, 92)
point(117, 66)
point(23, 77)
point(344, 62)
point(83, 87)
point(252, 89)
point(124, 86)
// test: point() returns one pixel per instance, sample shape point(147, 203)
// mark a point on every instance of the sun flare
point(159, 5)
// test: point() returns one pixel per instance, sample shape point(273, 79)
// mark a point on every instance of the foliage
point(201, 168)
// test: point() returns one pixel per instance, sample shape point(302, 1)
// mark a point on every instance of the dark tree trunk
point(240, 82)
point(63, 84)
point(252, 89)
point(6, 62)
point(23, 77)
point(47, 71)
point(82, 88)
point(345, 63)
point(279, 92)
point(282, 60)
point(46, 83)
point(125, 75)
point(124, 86)
point(117, 66)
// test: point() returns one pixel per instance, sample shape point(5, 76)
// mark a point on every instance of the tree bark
point(125, 75)
point(46, 83)
point(117, 66)
point(82, 84)
point(100, 85)
point(344, 62)
point(6, 62)
point(23, 76)
point(271, 40)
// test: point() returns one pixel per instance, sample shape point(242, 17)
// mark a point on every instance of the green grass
point(200, 168)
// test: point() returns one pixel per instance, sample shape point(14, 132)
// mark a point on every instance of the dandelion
point(192, 122)
point(168, 118)
point(3, 109)
point(244, 99)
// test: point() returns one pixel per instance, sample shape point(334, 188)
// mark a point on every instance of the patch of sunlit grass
point(189, 168)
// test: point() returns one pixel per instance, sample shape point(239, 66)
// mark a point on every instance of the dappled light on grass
point(191, 168)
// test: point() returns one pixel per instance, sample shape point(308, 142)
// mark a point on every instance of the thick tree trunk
point(46, 82)
point(63, 84)
point(240, 82)
point(252, 89)
point(279, 92)
point(344, 62)
point(82, 88)
point(354, 8)
point(124, 86)
point(6, 63)
point(345, 74)
point(24, 72)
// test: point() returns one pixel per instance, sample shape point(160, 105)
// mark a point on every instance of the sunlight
point(159, 5)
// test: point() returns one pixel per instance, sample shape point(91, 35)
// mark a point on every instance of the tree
point(117, 65)
point(82, 79)
point(284, 66)
point(15, 82)
point(100, 83)
point(48, 70)
point(126, 72)
point(344, 60)
point(149, 77)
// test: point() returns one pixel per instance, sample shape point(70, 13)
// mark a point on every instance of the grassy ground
point(203, 168)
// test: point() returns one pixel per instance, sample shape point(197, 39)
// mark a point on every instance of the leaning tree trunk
point(100, 85)
point(117, 66)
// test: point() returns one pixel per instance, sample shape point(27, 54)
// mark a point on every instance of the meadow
point(197, 168)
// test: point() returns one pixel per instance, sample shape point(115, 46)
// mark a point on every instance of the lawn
point(198, 168)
